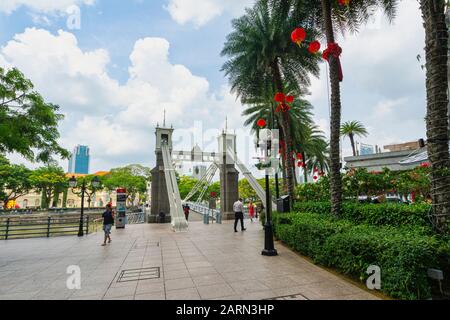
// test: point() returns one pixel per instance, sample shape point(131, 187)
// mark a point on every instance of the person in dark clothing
point(186, 209)
point(108, 221)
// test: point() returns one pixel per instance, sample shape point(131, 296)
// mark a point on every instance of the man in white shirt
point(238, 208)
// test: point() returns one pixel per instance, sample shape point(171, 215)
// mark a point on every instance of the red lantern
point(280, 97)
point(314, 47)
point(298, 35)
point(316, 170)
point(299, 164)
point(425, 164)
point(289, 99)
point(261, 123)
point(344, 2)
point(315, 177)
point(299, 156)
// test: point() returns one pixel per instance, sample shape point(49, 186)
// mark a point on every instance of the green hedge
point(373, 214)
point(403, 253)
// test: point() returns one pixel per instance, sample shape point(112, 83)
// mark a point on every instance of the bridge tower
point(160, 199)
point(229, 175)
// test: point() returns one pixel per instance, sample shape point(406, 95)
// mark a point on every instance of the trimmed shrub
point(403, 253)
point(374, 214)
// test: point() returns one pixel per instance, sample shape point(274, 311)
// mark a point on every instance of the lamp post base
point(269, 252)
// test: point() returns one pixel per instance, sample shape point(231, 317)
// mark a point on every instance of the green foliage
point(403, 253)
point(319, 191)
point(48, 180)
point(90, 190)
point(185, 185)
point(134, 181)
point(14, 180)
point(373, 214)
point(27, 122)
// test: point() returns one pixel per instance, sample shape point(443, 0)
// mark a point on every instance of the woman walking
point(108, 221)
point(251, 211)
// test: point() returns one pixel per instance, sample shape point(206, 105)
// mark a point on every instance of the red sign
point(121, 190)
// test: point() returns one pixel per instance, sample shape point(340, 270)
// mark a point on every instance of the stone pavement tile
point(176, 274)
point(198, 264)
point(233, 267)
point(183, 294)
point(90, 291)
point(120, 292)
point(241, 276)
point(277, 282)
point(150, 286)
point(173, 267)
point(360, 296)
point(177, 284)
point(215, 291)
point(208, 279)
point(91, 297)
point(119, 298)
point(258, 295)
point(151, 296)
point(246, 286)
point(202, 271)
point(307, 278)
point(171, 261)
point(19, 296)
point(53, 295)
point(324, 290)
point(282, 292)
point(197, 258)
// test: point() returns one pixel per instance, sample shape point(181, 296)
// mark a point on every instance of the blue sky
point(131, 59)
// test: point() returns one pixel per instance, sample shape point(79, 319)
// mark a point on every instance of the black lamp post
point(269, 248)
point(73, 183)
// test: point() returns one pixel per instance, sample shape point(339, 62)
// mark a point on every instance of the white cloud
point(45, 6)
point(200, 12)
point(117, 121)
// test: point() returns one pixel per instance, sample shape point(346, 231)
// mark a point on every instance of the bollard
point(205, 218)
point(218, 217)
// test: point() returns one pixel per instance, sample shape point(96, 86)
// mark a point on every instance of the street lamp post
point(73, 183)
point(267, 137)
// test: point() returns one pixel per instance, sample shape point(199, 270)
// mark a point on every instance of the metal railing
point(135, 217)
point(45, 226)
point(212, 214)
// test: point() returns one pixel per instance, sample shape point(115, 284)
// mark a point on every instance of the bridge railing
point(213, 214)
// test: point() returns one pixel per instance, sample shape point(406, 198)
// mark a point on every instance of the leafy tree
point(90, 190)
point(128, 179)
point(436, 51)
point(27, 122)
point(259, 52)
point(48, 180)
point(329, 16)
point(351, 129)
point(14, 181)
point(185, 185)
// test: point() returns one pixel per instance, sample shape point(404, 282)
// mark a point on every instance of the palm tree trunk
point(305, 173)
point(335, 121)
point(436, 40)
point(287, 134)
point(352, 141)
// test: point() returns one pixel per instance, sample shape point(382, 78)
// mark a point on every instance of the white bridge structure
point(166, 202)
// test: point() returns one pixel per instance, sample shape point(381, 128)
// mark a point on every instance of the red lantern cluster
point(261, 123)
point(283, 101)
point(425, 165)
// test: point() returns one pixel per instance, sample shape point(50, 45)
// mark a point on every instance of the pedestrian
point(186, 211)
point(251, 211)
point(108, 221)
point(238, 208)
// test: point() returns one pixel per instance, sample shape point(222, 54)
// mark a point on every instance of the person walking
point(108, 221)
point(251, 211)
point(186, 211)
point(238, 208)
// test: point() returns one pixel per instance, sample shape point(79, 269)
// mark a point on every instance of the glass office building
point(79, 160)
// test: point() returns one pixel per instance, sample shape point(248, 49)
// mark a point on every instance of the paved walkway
point(208, 262)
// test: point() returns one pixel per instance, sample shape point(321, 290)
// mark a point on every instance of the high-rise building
point(79, 160)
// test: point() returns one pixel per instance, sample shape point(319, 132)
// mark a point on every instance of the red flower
point(289, 99)
point(314, 47)
point(425, 165)
point(280, 97)
point(298, 35)
point(261, 123)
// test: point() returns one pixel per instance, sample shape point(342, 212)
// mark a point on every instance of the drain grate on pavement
point(290, 297)
point(139, 274)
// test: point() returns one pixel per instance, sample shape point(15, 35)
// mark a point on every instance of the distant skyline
point(130, 60)
point(79, 160)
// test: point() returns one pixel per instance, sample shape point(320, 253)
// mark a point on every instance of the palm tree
point(329, 16)
point(259, 53)
point(351, 129)
point(436, 41)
